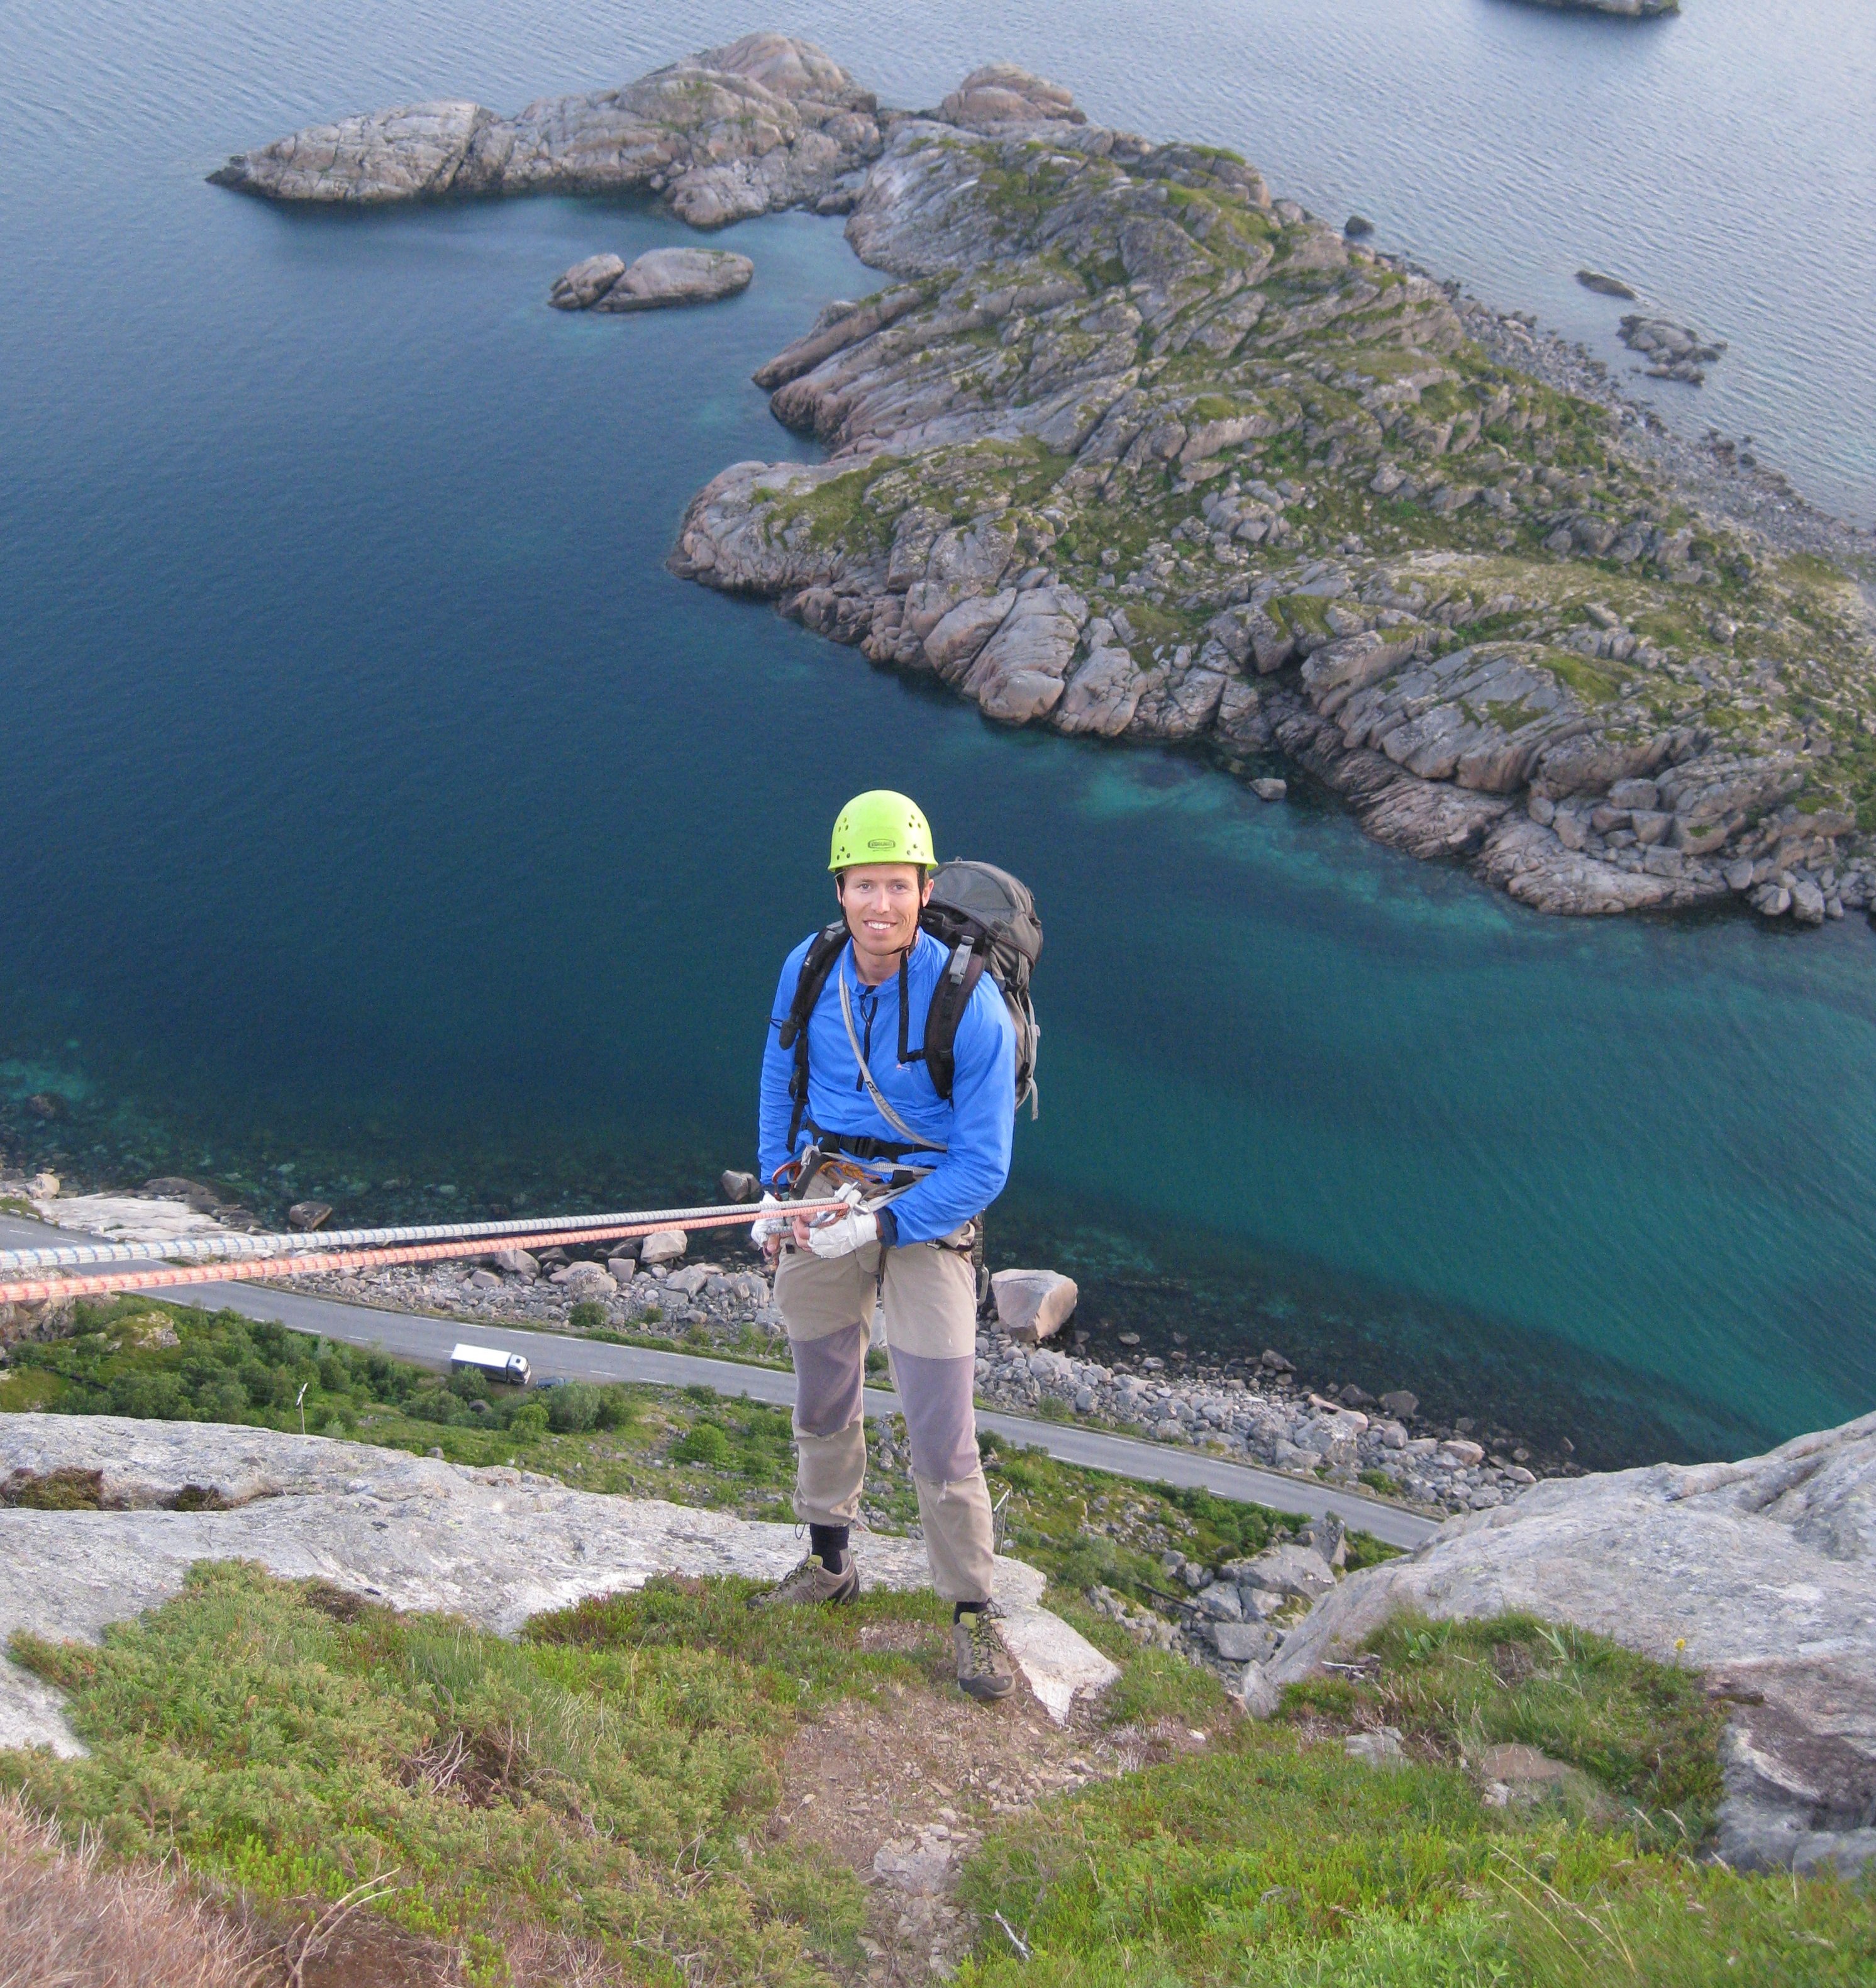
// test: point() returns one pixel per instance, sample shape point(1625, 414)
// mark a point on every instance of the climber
point(849, 1105)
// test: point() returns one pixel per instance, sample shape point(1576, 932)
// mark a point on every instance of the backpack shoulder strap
point(823, 949)
point(949, 999)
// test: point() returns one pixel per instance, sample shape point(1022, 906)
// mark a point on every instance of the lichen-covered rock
point(1095, 374)
point(765, 122)
point(1759, 1573)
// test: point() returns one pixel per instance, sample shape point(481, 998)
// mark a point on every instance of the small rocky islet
point(658, 280)
point(1127, 448)
point(1632, 10)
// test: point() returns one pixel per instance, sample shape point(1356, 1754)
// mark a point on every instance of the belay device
point(986, 919)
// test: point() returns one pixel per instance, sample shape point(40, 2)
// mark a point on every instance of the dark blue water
point(379, 818)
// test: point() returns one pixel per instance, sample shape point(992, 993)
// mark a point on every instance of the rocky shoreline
point(1254, 1411)
point(1129, 448)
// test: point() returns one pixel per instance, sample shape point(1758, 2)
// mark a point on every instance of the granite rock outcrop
point(1761, 1574)
point(1130, 449)
point(657, 280)
point(762, 123)
point(493, 1546)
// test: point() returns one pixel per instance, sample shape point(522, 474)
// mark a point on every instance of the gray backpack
point(987, 919)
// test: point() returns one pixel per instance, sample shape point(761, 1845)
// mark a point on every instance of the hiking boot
point(809, 1583)
point(983, 1665)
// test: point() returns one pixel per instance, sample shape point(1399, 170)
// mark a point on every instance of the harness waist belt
point(863, 1146)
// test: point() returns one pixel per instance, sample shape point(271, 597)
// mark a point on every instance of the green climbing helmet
point(881, 828)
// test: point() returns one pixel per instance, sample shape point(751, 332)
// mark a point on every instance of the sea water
point(381, 820)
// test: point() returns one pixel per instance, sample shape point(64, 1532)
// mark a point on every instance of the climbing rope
point(205, 1259)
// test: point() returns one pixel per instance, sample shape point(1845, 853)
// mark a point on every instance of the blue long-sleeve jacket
point(974, 1128)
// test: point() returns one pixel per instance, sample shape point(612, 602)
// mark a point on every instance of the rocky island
point(1128, 447)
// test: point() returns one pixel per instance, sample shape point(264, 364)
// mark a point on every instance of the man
point(918, 1170)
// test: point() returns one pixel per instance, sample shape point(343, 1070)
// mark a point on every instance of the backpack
point(987, 919)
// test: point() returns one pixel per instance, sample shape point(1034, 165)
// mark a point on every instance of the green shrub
point(704, 1442)
point(588, 1316)
point(1646, 1730)
point(572, 1407)
point(528, 1420)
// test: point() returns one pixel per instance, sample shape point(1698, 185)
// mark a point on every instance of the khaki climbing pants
point(926, 1300)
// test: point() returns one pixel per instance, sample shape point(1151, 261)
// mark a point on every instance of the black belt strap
point(863, 1146)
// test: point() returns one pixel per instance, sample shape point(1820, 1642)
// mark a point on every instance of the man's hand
point(841, 1235)
point(832, 1234)
point(771, 1225)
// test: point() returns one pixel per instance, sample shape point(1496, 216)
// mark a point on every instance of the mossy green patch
point(1273, 1858)
point(599, 1780)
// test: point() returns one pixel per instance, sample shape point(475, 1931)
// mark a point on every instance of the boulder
point(1033, 1305)
point(1296, 1571)
point(583, 1281)
point(1759, 1573)
point(308, 1215)
point(1001, 93)
point(1381, 1748)
point(666, 1246)
point(1019, 672)
point(658, 279)
point(516, 1262)
point(1242, 1642)
point(582, 287)
point(1102, 695)
point(1270, 790)
point(1605, 286)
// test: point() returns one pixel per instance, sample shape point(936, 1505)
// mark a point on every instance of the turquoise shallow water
point(378, 810)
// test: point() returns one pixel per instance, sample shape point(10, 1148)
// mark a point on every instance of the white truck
point(491, 1363)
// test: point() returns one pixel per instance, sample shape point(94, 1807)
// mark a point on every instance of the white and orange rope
point(208, 1259)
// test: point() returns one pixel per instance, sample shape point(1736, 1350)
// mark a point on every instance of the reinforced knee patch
point(956, 1521)
point(829, 1375)
point(941, 1417)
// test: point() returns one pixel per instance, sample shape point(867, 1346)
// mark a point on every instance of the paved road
point(558, 1356)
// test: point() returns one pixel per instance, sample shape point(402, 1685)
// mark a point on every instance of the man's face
point(882, 901)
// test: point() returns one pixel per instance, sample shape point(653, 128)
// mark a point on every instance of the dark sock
point(828, 1544)
point(964, 1608)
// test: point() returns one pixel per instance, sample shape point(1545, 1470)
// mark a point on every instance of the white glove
point(845, 1233)
point(773, 1222)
